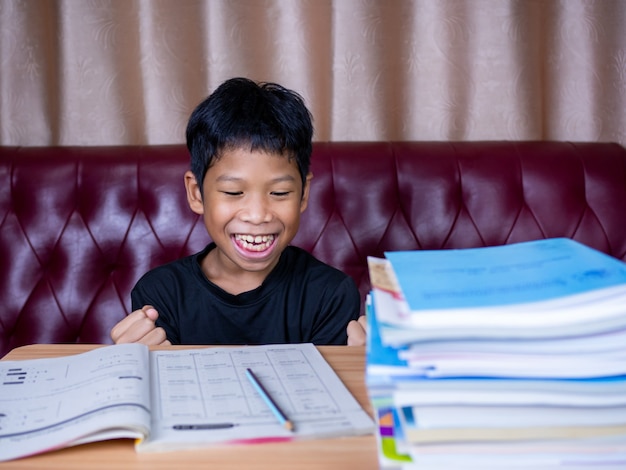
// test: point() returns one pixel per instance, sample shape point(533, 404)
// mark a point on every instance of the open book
point(171, 400)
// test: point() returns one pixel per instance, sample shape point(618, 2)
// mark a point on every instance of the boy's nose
point(257, 211)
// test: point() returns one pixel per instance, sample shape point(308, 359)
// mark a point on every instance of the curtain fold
point(113, 72)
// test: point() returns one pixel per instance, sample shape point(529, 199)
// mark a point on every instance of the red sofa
point(80, 225)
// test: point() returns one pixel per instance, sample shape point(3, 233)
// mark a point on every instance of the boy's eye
point(233, 193)
point(280, 193)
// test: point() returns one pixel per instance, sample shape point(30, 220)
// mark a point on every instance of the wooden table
point(341, 453)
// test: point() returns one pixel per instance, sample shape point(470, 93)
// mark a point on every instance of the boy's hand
point(357, 332)
point(139, 327)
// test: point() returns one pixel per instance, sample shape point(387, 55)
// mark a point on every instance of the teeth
point(255, 243)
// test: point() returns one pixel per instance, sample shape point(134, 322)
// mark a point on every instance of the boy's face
point(251, 207)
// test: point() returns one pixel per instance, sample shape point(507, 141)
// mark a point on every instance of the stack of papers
point(499, 357)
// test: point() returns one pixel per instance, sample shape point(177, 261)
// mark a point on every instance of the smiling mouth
point(254, 242)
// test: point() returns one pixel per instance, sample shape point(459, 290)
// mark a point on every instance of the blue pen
point(267, 398)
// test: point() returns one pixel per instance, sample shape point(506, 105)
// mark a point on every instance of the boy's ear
point(305, 192)
point(194, 195)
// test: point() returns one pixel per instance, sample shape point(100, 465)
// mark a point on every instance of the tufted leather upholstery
point(80, 225)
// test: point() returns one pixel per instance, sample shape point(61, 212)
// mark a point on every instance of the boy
point(250, 147)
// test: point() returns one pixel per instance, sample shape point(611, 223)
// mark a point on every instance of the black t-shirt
point(302, 300)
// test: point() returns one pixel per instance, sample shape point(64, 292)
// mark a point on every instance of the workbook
point(173, 399)
point(540, 289)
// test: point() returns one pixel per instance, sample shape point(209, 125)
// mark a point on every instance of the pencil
point(267, 398)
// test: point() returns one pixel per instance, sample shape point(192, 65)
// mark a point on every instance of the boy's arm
point(357, 333)
point(139, 327)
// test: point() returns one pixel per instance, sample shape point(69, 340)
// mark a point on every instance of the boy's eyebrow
point(278, 179)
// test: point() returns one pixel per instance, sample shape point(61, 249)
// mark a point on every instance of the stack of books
point(501, 357)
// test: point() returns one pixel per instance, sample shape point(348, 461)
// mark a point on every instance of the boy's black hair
point(241, 113)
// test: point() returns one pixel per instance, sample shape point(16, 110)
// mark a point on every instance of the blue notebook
point(503, 275)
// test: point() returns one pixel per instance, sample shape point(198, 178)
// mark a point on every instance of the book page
point(57, 402)
point(203, 397)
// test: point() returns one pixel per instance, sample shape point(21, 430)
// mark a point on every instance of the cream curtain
point(101, 72)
